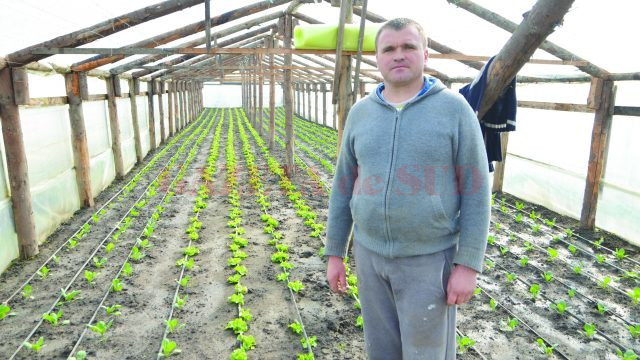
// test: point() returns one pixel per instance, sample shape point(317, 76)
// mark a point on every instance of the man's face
point(401, 56)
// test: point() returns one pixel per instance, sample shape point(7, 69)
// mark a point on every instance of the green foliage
point(553, 254)
point(67, 297)
point(548, 276)
point(90, 276)
point(604, 283)
point(26, 292)
point(54, 318)
point(36, 346)
point(546, 349)
point(169, 348)
point(116, 286)
point(509, 324)
point(620, 254)
point(127, 269)
point(312, 342)
point(629, 354)
point(295, 327)
point(110, 246)
point(464, 343)
point(101, 327)
point(248, 342)
point(113, 310)
point(634, 330)
point(191, 251)
point(601, 308)
point(589, 329)
point(560, 307)
point(180, 302)
point(173, 325)
point(99, 262)
point(237, 325)
point(296, 286)
point(43, 272)
point(634, 295)
point(534, 290)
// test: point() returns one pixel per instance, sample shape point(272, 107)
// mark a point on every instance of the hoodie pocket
point(440, 219)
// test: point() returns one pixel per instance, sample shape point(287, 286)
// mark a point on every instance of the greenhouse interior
point(167, 168)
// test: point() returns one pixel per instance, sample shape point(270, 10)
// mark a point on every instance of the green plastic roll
point(325, 37)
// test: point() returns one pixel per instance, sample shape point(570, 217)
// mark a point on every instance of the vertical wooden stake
point(260, 95)
point(315, 94)
point(324, 103)
point(304, 103)
point(170, 108)
point(17, 168)
point(605, 101)
point(308, 101)
point(160, 85)
point(116, 145)
point(272, 96)
point(79, 136)
point(288, 95)
point(183, 117)
point(152, 120)
point(134, 118)
point(344, 98)
point(177, 118)
point(498, 175)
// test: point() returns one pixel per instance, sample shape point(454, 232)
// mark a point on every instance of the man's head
point(401, 52)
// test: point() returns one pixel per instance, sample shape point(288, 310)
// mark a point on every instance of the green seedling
point(600, 258)
point(54, 318)
point(295, 327)
point(509, 324)
point(180, 302)
point(67, 297)
point(80, 355)
point(629, 354)
point(528, 246)
point(571, 293)
point(519, 205)
point(43, 272)
point(360, 322)
point(553, 254)
point(598, 243)
point(620, 254)
point(284, 276)
point(305, 356)
point(550, 223)
point(533, 215)
point(36, 346)
point(577, 269)
point(184, 281)
point(296, 286)
point(116, 286)
point(237, 325)
point(512, 237)
point(560, 307)
point(188, 264)
point(518, 218)
point(136, 254)
point(191, 251)
point(498, 226)
point(95, 218)
point(634, 295)
point(556, 238)
point(312, 342)
point(601, 308)
point(511, 277)
point(492, 304)
point(99, 262)
point(631, 276)
point(548, 276)
point(572, 249)
point(145, 244)
point(248, 342)
point(236, 299)
point(464, 343)
point(489, 264)
point(56, 259)
point(110, 246)
point(546, 349)
point(240, 254)
point(504, 250)
point(491, 239)
point(234, 279)
point(568, 232)
point(634, 331)
point(535, 228)
point(534, 290)
point(113, 310)
point(240, 289)
point(134, 213)
point(245, 314)
point(589, 329)
point(90, 276)
point(127, 269)
point(26, 292)
point(279, 257)
point(477, 291)
point(169, 348)
point(101, 327)
point(504, 209)
point(604, 283)
point(173, 325)
point(241, 269)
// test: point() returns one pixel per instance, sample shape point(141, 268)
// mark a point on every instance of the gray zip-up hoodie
point(413, 181)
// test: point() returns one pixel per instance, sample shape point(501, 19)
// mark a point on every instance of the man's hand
point(462, 283)
point(336, 275)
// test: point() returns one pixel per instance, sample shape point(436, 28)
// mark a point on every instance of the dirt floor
point(150, 291)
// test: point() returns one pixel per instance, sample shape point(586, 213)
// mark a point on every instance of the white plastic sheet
point(126, 133)
point(98, 139)
point(143, 123)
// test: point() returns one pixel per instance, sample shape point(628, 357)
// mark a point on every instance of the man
point(412, 178)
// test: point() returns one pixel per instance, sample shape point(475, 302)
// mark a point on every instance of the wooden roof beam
point(546, 45)
point(169, 36)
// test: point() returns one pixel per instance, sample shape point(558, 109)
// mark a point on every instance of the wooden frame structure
point(256, 58)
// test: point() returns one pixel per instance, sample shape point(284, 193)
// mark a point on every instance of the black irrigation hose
point(578, 236)
point(580, 320)
point(577, 292)
point(81, 226)
point(520, 321)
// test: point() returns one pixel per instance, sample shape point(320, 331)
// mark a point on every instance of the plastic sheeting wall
point(8, 237)
point(96, 123)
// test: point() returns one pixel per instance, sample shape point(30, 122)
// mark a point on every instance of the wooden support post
point(304, 103)
point(272, 97)
point(308, 86)
point(254, 84)
point(344, 99)
point(133, 85)
point(297, 90)
point(17, 168)
point(183, 116)
point(160, 85)
point(176, 106)
point(152, 117)
point(20, 86)
point(324, 103)
point(250, 95)
point(79, 136)
point(170, 109)
point(335, 115)
point(362, 91)
point(288, 95)
point(116, 146)
point(605, 93)
point(315, 92)
point(260, 94)
point(117, 88)
point(498, 174)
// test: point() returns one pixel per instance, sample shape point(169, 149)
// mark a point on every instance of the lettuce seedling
point(127, 269)
point(295, 327)
point(601, 308)
point(296, 286)
point(504, 250)
point(279, 257)
point(511, 277)
point(550, 223)
point(634, 331)
point(598, 243)
point(173, 325)
point(5, 311)
point(110, 246)
point(113, 310)
point(509, 324)
point(240, 289)
point(236, 299)
point(191, 251)
point(56, 259)
point(237, 325)
point(248, 342)
point(145, 244)
point(80, 355)
point(519, 205)
point(528, 246)
point(53, 318)
point(589, 329)
point(284, 276)
point(26, 292)
point(548, 276)
point(285, 265)
point(188, 264)
point(184, 281)
point(534, 290)
point(553, 254)
point(464, 343)
point(524, 261)
point(571, 293)
point(518, 218)
point(90, 276)
point(67, 297)
point(629, 354)
point(604, 283)
point(560, 307)
point(43, 272)
point(99, 262)
point(169, 348)
point(547, 350)
point(234, 279)
point(312, 342)
point(101, 327)
point(240, 255)
point(136, 255)
point(35, 346)
point(577, 269)
point(634, 295)
point(305, 356)
point(241, 269)
point(492, 304)
point(498, 226)
point(239, 354)
point(568, 232)
point(620, 254)
point(180, 302)
point(489, 264)
point(116, 286)
point(491, 239)
point(600, 258)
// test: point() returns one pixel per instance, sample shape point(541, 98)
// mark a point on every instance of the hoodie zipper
point(386, 193)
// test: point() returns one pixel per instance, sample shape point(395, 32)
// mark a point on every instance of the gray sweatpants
point(404, 306)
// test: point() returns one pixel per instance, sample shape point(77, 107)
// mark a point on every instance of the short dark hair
point(399, 24)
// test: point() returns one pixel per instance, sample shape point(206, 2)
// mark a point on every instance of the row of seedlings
point(143, 244)
point(280, 255)
point(307, 132)
point(26, 289)
point(186, 262)
point(239, 325)
point(68, 296)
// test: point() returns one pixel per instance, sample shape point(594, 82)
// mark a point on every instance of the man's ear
point(426, 55)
